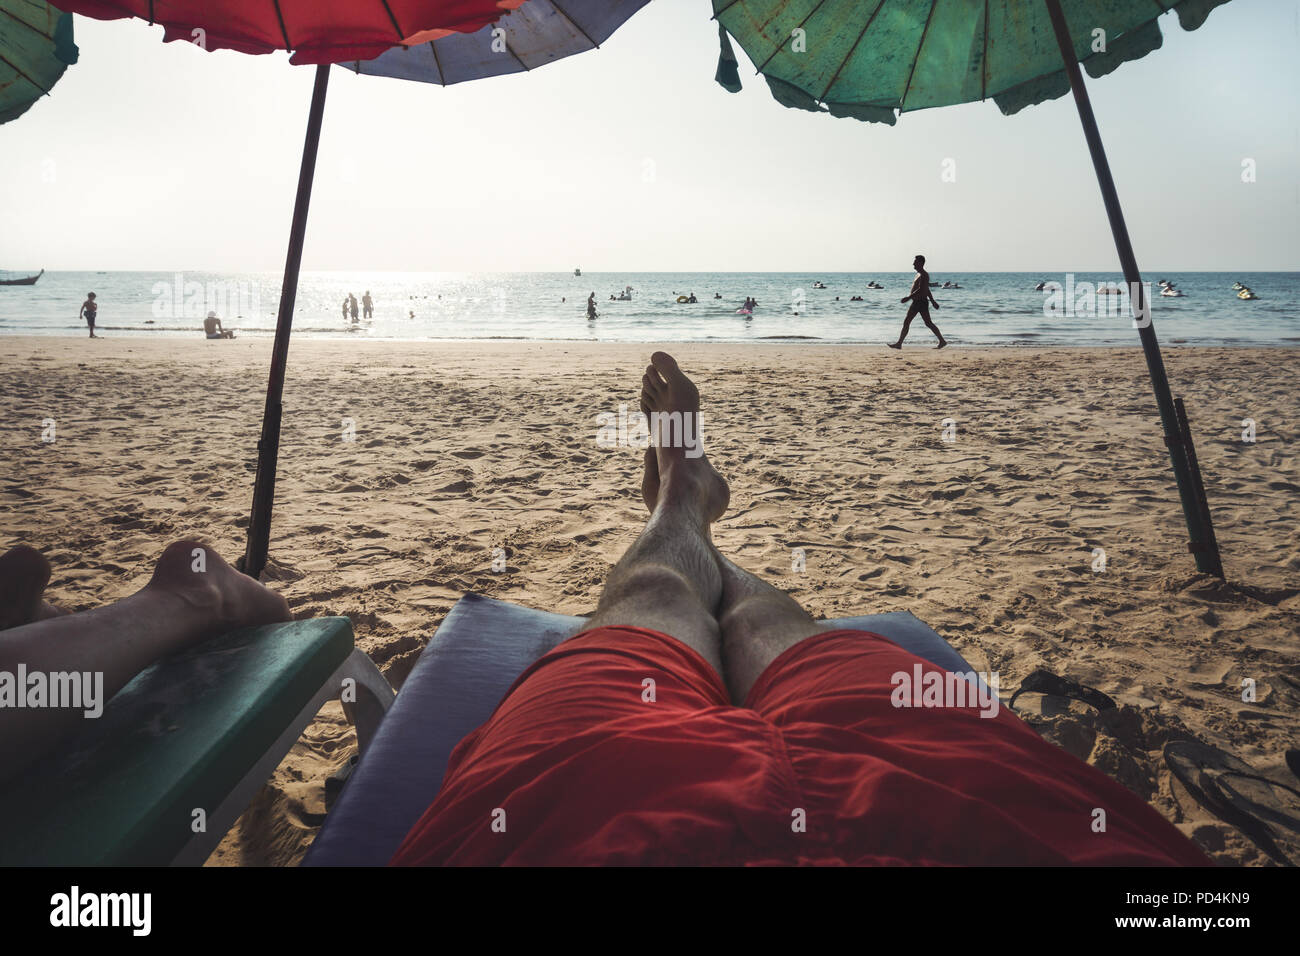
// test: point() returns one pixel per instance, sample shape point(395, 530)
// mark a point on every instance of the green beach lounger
point(179, 753)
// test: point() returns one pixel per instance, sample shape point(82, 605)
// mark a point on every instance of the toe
point(665, 364)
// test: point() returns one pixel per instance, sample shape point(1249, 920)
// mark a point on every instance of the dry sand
point(462, 448)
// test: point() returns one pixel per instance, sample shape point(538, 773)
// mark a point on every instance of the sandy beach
point(461, 448)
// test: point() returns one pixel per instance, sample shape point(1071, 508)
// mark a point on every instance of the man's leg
point(756, 621)
point(669, 580)
point(759, 622)
point(925, 314)
point(907, 324)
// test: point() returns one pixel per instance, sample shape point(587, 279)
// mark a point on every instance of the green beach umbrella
point(35, 48)
point(875, 59)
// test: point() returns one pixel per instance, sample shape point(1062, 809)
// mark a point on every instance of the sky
point(153, 156)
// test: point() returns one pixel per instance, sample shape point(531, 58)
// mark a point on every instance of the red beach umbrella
point(314, 31)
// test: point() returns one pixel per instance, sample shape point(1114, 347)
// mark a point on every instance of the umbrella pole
point(268, 447)
point(1196, 511)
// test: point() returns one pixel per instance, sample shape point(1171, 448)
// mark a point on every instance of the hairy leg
point(759, 622)
point(756, 621)
point(669, 580)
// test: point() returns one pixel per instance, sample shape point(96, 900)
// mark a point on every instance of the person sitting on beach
point(213, 330)
point(88, 310)
point(703, 717)
point(368, 305)
point(921, 298)
point(177, 609)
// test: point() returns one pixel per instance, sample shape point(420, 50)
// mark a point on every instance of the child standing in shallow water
point(88, 310)
point(921, 300)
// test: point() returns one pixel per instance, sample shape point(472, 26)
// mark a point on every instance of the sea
point(987, 308)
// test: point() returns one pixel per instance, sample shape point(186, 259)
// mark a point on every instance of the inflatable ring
point(682, 298)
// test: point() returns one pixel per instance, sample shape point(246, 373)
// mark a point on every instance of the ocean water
point(997, 308)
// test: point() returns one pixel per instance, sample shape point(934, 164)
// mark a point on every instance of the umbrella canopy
point(315, 31)
point(35, 48)
point(539, 32)
point(867, 60)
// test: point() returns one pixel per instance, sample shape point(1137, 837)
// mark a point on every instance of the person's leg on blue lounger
point(669, 580)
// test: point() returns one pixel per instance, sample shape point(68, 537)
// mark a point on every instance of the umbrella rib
point(853, 49)
point(781, 46)
point(576, 25)
point(284, 31)
point(984, 62)
point(518, 58)
point(902, 100)
point(23, 75)
point(725, 9)
point(24, 23)
point(151, 20)
point(437, 63)
point(401, 35)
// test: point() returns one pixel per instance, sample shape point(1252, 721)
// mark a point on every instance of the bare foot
point(24, 572)
point(683, 476)
point(895, 345)
point(943, 343)
point(200, 577)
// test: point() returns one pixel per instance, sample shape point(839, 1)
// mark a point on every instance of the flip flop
point(335, 781)
point(1045, 682)
point(1260, 807)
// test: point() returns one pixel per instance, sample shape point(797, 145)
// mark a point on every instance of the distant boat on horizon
point(29, 280)
point(577, 272)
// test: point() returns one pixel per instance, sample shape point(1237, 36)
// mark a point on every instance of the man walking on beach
point(88, 310)
point(921, 300)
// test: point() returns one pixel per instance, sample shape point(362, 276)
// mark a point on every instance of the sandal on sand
point(1045, 682)
point(1234, 792)
point(335, 781)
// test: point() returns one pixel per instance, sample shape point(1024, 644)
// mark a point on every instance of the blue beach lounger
point(477, 653)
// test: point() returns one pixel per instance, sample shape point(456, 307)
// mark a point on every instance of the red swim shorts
point(620, 747)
